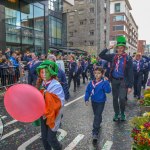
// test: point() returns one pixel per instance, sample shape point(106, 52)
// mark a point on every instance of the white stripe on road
point(34, 138)
point(73, 144)
point(3, 117)
point(27, 143)
point(9, 134)
point(62, 135)
point(69, 103)
point(107, 145)
point(9, 123)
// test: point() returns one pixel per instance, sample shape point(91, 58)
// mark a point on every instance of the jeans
point(97, 110)
point(49, 138)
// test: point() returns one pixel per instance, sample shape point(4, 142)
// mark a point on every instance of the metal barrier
point(9, 76)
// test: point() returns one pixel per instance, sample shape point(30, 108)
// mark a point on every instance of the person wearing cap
point(121, 76)
point(54, 102)
point(138, 67)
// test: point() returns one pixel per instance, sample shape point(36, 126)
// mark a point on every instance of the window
point(117, 7)
point(91, 43)
point(55, 5)
point(70, 44)
point(81, 22)
point(118, 18)
point(55, 31)
point(118, 28)
point(71, 34)
point(91, 1)
point(92, 10)
point(92, 32)
point(91, 21)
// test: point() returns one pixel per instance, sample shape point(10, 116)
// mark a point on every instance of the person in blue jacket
point(97, 90)
point(32, 65)
point(138, 67)
point(146, 69)
point(14, 62)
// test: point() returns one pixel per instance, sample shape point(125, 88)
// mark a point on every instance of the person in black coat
point(72, 72)
point(121, 76)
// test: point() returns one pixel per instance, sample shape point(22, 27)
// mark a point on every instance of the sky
point(141, 14)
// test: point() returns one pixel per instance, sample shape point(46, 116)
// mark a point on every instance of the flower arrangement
point(141, 132)
point(145, 101)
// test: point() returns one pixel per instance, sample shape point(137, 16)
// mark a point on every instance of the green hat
point(49, 51)
point(121, 41)
point(94, 61)
point(51, 66)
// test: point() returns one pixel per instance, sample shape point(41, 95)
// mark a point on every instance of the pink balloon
point(24, 103)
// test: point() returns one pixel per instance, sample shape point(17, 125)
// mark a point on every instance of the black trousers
point(119, 92)
point(84, 75)
point(97, 110)
point(138, 76)
point(49, 138)
point(74, 80)
point(145, 77)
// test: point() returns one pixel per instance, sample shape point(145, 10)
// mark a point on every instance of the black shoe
point(95, 139)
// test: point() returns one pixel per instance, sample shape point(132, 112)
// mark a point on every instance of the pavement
point(75, 132)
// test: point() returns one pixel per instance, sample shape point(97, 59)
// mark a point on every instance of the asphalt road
point(75, 132)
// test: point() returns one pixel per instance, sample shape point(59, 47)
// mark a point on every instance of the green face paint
point(44, 74)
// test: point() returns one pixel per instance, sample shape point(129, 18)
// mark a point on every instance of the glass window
point(117, 7)
point(55, 5)
point(55, 31)
point(26, 14)
point(12, 38)
point(38, 19)
point(118, 18)
point(119, 27)
point(12, 29)
point(12, 16)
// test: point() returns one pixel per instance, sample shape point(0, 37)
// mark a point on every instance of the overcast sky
point(141, 14)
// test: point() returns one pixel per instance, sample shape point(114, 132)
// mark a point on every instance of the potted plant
point(145, 102)
point(141, 132)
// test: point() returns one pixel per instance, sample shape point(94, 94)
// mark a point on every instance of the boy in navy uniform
point(138, 65)
point(96, 89)
point(121, 76)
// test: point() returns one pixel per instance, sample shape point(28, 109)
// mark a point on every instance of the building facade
point(34, 25)
point(87, 25)
point(122, 23)
point(141, 46)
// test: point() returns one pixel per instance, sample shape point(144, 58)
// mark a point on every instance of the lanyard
point(117, 63)
point(94, 86)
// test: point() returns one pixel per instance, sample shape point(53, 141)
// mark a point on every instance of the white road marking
point(34, 138)
point(3, 117)
point(69, 103)
point(9, 134)
point(107, 145)
point(9, 123)
point(1, 128)
point(62, 135)
point(27, 143)
point(73, 144)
